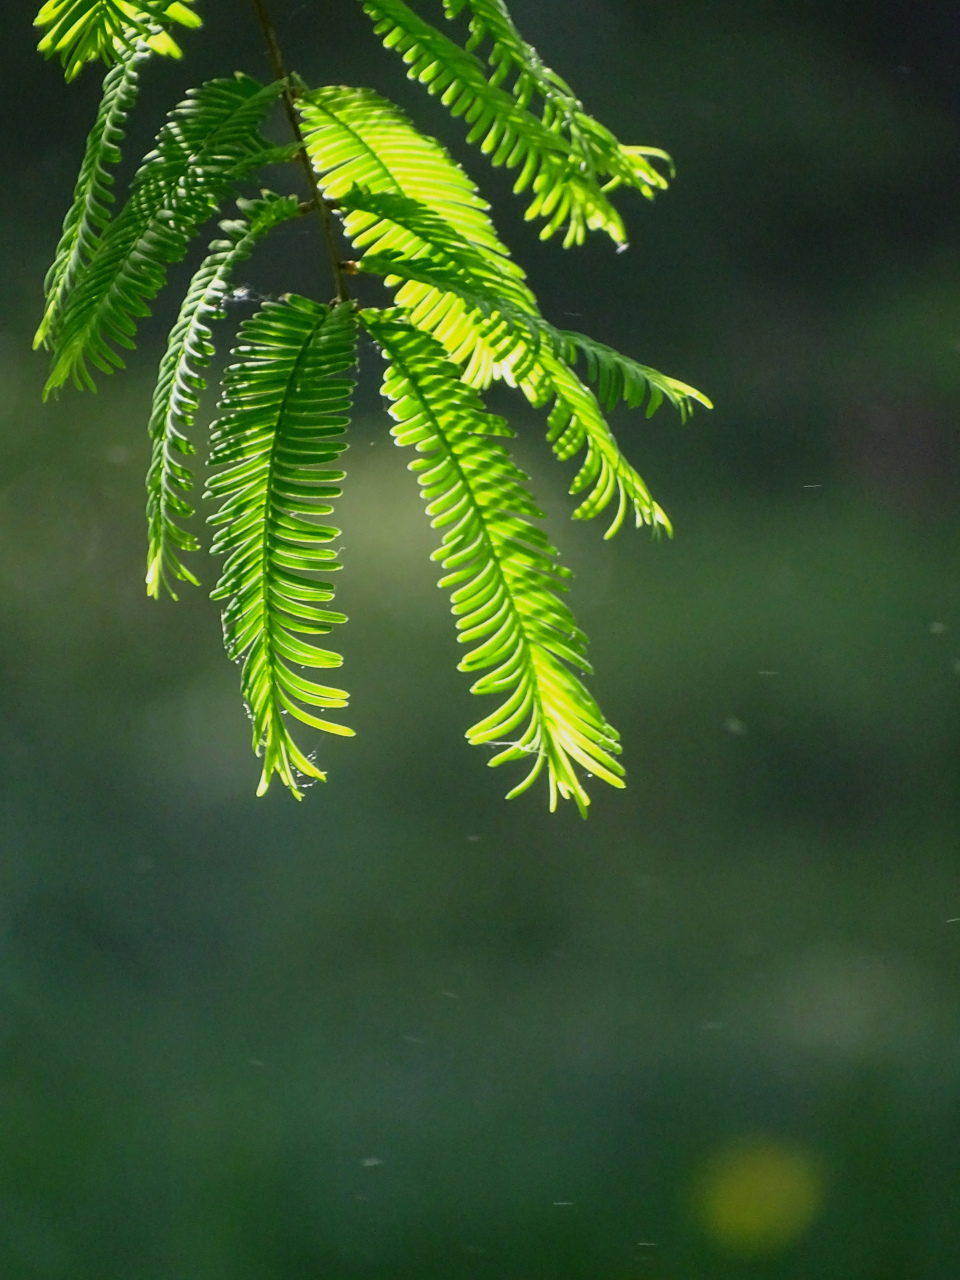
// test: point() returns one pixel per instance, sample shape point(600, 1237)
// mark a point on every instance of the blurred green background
point(406, 1029)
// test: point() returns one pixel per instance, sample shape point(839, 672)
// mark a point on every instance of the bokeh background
point(407, 1029)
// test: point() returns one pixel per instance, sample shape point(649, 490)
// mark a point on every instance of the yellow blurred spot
point(759, 1198)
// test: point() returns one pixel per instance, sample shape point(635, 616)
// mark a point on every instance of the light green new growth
point(502, 568)
point(462, 316)
point(565, 158)
point(81, 31)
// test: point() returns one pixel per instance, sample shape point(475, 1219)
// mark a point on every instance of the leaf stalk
point(323, 209)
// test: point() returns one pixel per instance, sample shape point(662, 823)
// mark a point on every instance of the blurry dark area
point(406, 1028)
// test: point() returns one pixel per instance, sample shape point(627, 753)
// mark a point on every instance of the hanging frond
point(512, 58)
point(408, 232)
point(537, 357)
point(566, 158)
point(503, 336)
point(477, 306)
point(621, 378)
point(385, 224)
point(80, 31)
point(356, 138)
point(285, 404)
point(180, 385)
point(576, 423)
point(90, 213)
point(481, 325)
point(515, 60)
point(209, 142)
point(518, 345)
point(364, 150)
point(502, 570)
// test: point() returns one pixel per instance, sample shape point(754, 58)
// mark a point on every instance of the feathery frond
point(621, 378)
point(576, 422)
point(209, 142)
point(513, 58)
point(285, 403)
point(356, 138)
point(567, 159)
point(180, 385)
point(89, 213)
point(436, 269)
point(463, 317)
point(83, 30)
point(364, 149)
point(534, 355)
point(502, 569)
point(521, 347)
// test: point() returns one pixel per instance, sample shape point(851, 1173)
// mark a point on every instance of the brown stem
point(323, 209)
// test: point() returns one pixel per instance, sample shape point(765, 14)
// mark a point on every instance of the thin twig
point(323, 209)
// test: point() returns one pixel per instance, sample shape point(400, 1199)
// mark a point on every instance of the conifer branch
point(464, 316)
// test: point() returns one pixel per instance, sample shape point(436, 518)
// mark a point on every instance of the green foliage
point(180, 385)
point(210, 141)
point(592, 145)
point(619, 377)
point(502, 570)
point(541, 358)
point(360, 144)
point(357, 139)
point(285, 403)
point(567, 159)
point(81, 31)
point(89, 213)
point(363, 146)
point(463, 316)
